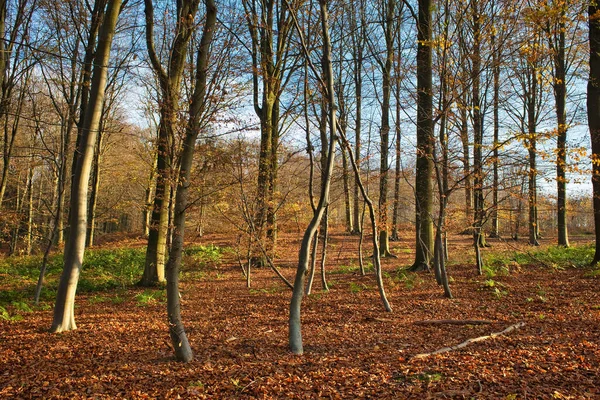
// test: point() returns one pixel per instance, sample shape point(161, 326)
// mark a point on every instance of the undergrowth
point(557, 257)
point(103, 270)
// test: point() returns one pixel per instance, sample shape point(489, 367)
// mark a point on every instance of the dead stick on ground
point(453, 322)
point(468, 342)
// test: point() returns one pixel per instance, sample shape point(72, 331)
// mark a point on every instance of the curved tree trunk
point(295, 327)
point(64, 310)
point(183, 351)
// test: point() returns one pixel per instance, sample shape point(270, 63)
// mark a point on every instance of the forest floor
point(353, 348)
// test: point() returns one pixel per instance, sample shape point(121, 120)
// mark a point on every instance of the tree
point(358, 29)
point(169, 82)
point(593, 113)
point(388, 10)
point(270, 26)
point(64, 316)
point(424, 164)
point(199, 103)
point(557, 19)
point(295, 332)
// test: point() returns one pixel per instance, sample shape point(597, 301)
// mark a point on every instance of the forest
point(300, 199)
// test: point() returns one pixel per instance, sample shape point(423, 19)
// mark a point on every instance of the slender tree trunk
point(478, 176)
point(147, 212)
point(14, 235)
point(313, 265)
point(560, 94)
point(183, 351)
point(384, 242)
point(358, 38)
point(532, 151)
point(466, 159)
point(496, 105)
point(295, 328)
point(64, 310)
point(29, 246)
point(593, 114)
point(397, 171)
point(95, 186)
point(325, 233)
point(346, 182)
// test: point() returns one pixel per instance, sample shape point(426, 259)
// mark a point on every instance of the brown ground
point(353, 349)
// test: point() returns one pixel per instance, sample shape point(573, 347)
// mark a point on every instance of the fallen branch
point(453, 322)
point(473, 340)
point(378, 319)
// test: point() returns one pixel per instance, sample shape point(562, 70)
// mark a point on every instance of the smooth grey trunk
point(313, 265)
point(361, 264)
point(183, 351)
point(358, 40)
point(325, 233)
point(95, 186)
point(64, 310)
point(347, 203)
point(384, 167)
point(295, 327)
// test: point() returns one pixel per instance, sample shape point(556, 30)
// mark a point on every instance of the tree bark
point(64, 310)
point(295, 327)
point(560, 95)
point(496, 106)
point(170, 85)
point(384, 167)
point(95, 186)
point(183, 351)
point(593, 114)
point(424, 165)
point(478, 175)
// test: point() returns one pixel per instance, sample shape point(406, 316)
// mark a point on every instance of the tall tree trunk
point(424, 164)
point(496, 105)
point(64, 310)
point(466, 157)
point(183, 351)
point(478, 176)
point(384, 242)
point(531, 97)
point(593, 114)
point(170, 85)
point(295, 328)
point(358, 39)
point(560, 95)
